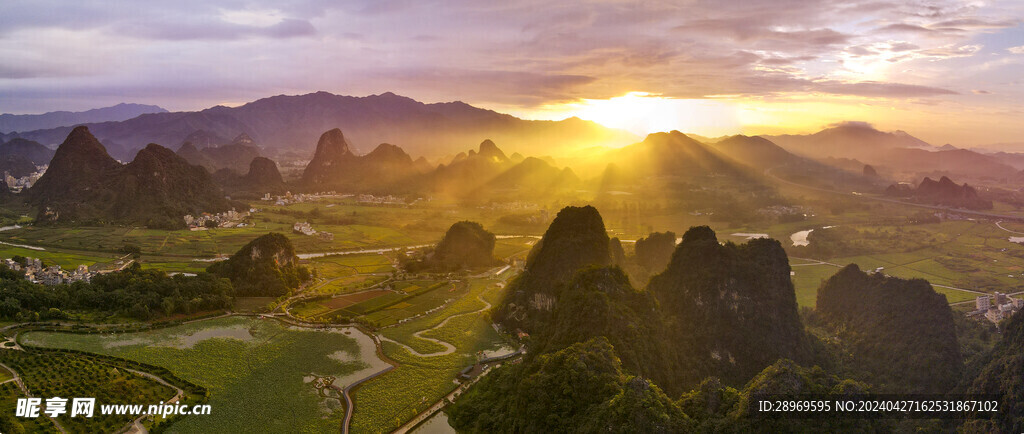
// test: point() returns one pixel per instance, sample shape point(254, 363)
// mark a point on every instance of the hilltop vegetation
point(896, 334)
point(1002, 377)
point(465, 245)
point(265, 267)
point(717, 310)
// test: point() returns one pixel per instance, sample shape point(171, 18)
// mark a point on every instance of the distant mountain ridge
point(11, 122)
point(896, 150)
point(235, 156)
point(941, 192)
point(293, 122)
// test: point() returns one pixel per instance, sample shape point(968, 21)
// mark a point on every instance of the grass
point(67, 260)
point(806, 281)
point(256, 385)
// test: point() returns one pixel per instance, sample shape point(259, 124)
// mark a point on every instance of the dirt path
point(136, 426)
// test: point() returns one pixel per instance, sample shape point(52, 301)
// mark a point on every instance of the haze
point(947, 71)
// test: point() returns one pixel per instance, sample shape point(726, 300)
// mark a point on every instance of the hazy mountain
point(960, 162)
point(533, 176)
point(851, 139)
point(262, 177)
point(755, 151)
point(204, 139)
point(335, 167)
point(84, 184)
point(16, 166)
point(120, 112)
point(470, 172)
point(942, 192)
point(33, 151)
point(234, 156)
point(294, 122)
point(897, 151)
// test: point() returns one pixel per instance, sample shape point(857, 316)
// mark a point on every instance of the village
point(288, 198)
point(226, 219)
point(36, 272)
point(996, 307)
point(16, 185)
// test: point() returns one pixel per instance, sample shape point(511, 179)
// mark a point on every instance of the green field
point(806, 281)
point(386, 402)
point(257, 371)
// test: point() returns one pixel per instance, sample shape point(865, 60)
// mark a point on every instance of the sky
point(947, 71)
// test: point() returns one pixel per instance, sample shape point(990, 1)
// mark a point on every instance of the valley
point(369, 292)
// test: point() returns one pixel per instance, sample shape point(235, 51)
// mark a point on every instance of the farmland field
point(386, 402)
point(258, 371)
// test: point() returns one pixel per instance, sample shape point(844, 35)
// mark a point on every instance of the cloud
point(1016, 50)
point(527, 52)
point(878, 89)
point(980, 92)
point(904, 27)
point(852, 124)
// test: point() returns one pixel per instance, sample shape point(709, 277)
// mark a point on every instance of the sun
point(643, 113)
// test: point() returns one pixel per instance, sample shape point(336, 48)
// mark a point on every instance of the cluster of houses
point(226, 219)
point(288, 198)
point(380, 200)
point(305, 228)
point(18, 184)
point(784, 210)
point(997, 307)
point(52, 275)
point(512, 206)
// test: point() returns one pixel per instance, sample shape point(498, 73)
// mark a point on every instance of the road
point(136, 426)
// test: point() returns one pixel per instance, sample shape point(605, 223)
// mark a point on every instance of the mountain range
point(897, 151)
point(11, 122)
point(287, 123)
point(235, 155)
point(84, 184)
